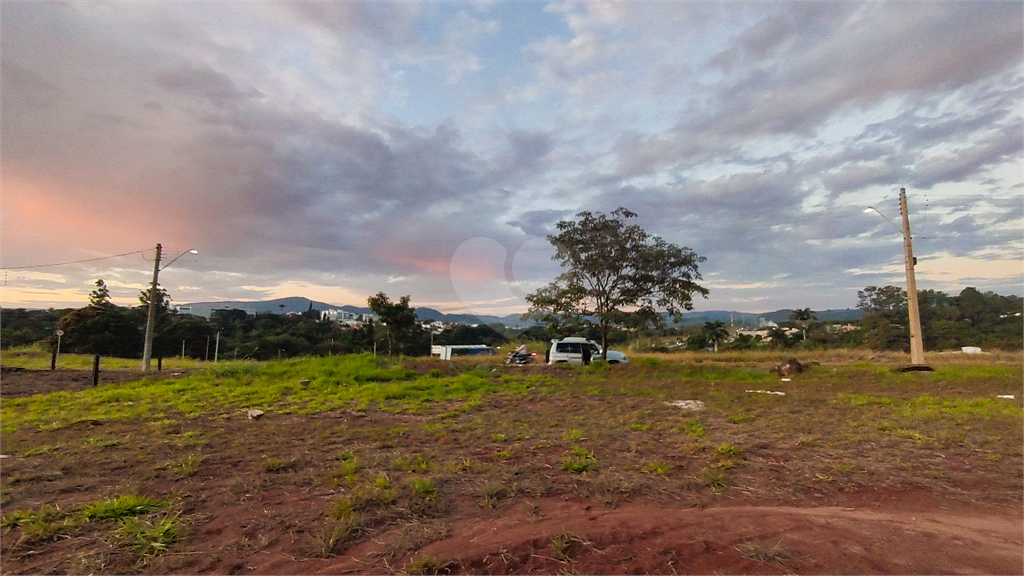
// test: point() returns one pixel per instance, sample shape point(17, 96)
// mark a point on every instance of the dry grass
point(764, 552)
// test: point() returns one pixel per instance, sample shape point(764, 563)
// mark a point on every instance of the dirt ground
point(19, 382)
point(244, 519)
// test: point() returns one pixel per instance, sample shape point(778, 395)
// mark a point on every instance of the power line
point(72, 262)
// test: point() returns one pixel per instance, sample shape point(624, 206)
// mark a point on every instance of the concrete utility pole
point(916, 342)
point(147, 351)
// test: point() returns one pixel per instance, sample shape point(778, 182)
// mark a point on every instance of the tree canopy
point(616, 273)
point(399, 321)
point(802, 317)
point(715, 332)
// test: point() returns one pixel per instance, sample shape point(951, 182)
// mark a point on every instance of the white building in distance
point(347, 318)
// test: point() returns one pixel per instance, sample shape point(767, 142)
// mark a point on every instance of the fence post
point(159, 363)
point(95, 370)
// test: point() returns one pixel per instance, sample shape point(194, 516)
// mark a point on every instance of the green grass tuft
point(147, 538)
point(121, 507)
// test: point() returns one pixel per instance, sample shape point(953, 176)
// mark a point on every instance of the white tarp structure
point(446, 352)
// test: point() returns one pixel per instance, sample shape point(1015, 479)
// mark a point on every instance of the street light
point(147, 350)
point(916, 342)
point(871, 209)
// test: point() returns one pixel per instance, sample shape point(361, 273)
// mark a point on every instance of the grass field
point(405, 446)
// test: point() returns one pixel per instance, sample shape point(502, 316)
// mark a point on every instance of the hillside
point(300, 304)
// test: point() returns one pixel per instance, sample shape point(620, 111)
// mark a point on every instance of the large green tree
point(101, 327)
point(617, 274)
point(399, 320)
point(889, 302)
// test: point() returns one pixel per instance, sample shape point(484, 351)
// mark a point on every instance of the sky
point(334, 150)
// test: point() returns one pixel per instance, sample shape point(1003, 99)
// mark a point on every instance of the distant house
point(347, 318)
point(435, 326)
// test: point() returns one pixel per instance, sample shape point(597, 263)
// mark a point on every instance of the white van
point(571, 350)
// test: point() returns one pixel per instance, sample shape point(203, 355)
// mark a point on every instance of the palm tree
point(802, 317)
point(715, 331)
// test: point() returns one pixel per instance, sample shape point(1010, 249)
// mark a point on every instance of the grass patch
point(728, 450)
point(273, 465)
point(579, 460)
point(40, 450)
point(416, 465)
point(763, 552)
point(149, 538)
point(429, 565)
point(573, 435)
point(43, 524)
point(422, 488)
point(694, 429)
point(660, 467)
point(121, 507)
point(188, 466)
point(714, 479)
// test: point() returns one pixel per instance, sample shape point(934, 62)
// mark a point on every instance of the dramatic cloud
point(336, 149)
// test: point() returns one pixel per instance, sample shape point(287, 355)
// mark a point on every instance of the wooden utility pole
point(916, 342)
point(147, 351)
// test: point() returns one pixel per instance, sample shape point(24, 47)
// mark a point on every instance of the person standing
point(586, 354)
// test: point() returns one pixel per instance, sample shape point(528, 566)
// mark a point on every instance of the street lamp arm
point(891, 223)
point(192, 251)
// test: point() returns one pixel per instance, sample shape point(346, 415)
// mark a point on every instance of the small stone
point(255, 414)
point(304, 382)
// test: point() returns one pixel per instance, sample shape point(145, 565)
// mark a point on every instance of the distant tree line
point(971, 318)
point(107, 329)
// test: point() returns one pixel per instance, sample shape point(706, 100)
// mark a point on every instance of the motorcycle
point(519, 359)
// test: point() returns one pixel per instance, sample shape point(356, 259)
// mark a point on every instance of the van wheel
point(613, 361)
point(561, 361)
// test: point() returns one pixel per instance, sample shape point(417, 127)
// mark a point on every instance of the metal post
point(147, 351)
point(56, 351)
point(216, 348)
point(916, 342)
point(182, 348)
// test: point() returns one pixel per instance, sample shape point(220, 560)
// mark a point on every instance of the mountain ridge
point(301, 304)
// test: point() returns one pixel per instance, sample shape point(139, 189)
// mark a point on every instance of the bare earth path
point(906, 533)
